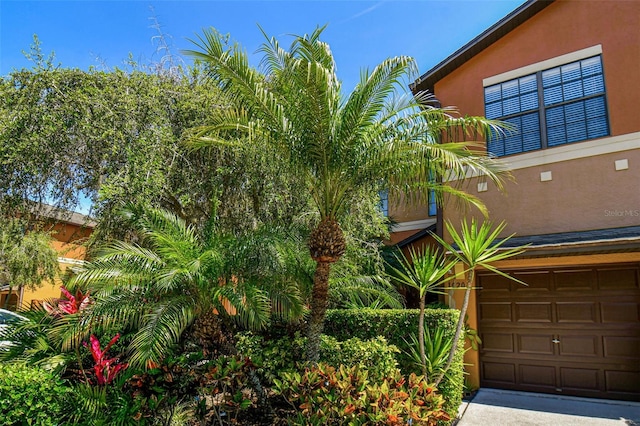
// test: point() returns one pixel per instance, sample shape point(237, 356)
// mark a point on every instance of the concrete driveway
point(494, 407)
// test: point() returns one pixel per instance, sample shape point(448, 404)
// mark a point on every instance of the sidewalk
point(496, 407)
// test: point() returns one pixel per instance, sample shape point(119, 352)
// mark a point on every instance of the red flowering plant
point(71, 305)
point(105, 368)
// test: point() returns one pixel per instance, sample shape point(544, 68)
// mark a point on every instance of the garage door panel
point(623, 382)
point(621, 347)
point(618, 279)
point(497, 342)
point(573, 331)
point(575, 280)
point(537, 283)
point(533, 312)
point(579, 346)
point(572, 312)
point(584, 379)
point(495, 285)
point(620, 312)
point(538, 375)
point(535, 344)
point(500, 311)
point(499, 372)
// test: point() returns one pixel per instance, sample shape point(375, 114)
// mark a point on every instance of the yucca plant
point(337, 145)
point(425, 271)
point(435, 347)
point(476, 246)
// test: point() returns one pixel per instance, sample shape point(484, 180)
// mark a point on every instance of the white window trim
point(540, 66)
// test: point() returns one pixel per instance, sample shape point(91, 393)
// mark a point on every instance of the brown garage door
point(570, 331)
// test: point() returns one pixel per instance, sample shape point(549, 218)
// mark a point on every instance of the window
point(551, 107)
point(384, 202)
point(433, 207)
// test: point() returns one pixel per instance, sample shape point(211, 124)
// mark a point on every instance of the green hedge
point(275, 356)
point(396, 325)
point(30, 396)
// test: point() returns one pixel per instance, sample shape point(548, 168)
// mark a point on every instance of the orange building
point(69, 233)
point(564, 74)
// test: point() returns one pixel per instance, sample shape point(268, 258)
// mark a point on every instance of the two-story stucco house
point(566, 76)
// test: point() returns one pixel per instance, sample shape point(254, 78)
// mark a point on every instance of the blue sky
point(361, 33)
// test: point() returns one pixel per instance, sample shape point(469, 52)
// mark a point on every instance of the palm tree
point(425, 272)
point(475, 246)
point(175, 276)
point(337, 146)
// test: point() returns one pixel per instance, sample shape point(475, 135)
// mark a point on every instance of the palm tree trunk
point(423, 357)
point(319, 302)
point(456, 337)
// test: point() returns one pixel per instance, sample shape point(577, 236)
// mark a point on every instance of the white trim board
point(413, 225)
point(539, 66)
point(574, 151)
point(70, 261)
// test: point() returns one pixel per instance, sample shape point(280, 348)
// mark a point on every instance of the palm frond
point(251, 304)
point(161, 330)
point(363, 291)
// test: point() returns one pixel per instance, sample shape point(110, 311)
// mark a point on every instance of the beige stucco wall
point(583, 194)
point(585, 191)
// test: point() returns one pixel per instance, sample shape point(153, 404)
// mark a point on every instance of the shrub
point(377, 356)
point(324, 395)
point(30, 396)
point(395, 325)
point(225, 390)
point(273, 357)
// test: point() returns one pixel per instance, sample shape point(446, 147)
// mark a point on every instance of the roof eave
point(427, 81)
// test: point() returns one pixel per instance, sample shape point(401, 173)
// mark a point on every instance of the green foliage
point(375, 355)
point(394, 325)
point(116, 135)
point(225, 389)
point(158, 287)
point(478, 245)
point(35, 342)
point(181, 390)
point(324, 395)
point(88, 404)
point(471, 335)
point(424, 270)
point(276, 356)
point(377, 132)
point(337, 146)
point(30, 396)
point(426, 273)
